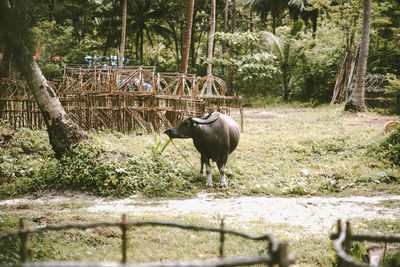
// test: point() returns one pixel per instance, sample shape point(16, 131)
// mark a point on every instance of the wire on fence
point(278, 253)
point(344, 237)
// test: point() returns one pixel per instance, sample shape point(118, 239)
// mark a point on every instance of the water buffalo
point(215, 136)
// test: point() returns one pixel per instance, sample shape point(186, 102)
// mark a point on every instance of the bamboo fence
point(123, 99)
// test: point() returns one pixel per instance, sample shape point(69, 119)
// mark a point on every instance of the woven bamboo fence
point(277, 251)
point(123, 99)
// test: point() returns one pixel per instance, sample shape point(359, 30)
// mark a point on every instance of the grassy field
point(340, 151)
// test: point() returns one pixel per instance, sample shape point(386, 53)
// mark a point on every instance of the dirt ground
point(315, 214)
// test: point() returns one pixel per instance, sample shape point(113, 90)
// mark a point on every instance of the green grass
point(148, 244)
point(340, 150)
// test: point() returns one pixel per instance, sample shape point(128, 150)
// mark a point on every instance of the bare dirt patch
point(316, 215)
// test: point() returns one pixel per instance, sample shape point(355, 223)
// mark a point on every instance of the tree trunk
point(229, 78)
point(187, 36)
point(211, 46)
point(123, 34)
point(141, 47)
point(175, 37)
point(251, 20)
point(225, 24)
point(356, 100)
point(7, 59)
point(63, 132)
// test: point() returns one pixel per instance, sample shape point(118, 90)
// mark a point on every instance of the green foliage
point(392, 259)
point(251, 59)
point(86, 167)
point(359, 250)
point(288, 51)
point(390, 147)
point(384, 54)
point(9, 246)
point(393, 90)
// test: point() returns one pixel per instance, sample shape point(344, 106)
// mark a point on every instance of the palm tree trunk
point(141, 47)
point(63, 132)
point(211, 47)
point(123, 34)
point(175, 37)
point(226, 9)
point(187, 36)
point(7, 59)
point(356, 100)
point(229, 78)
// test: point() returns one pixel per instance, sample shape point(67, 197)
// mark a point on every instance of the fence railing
point(277, 251)
point(342, 244)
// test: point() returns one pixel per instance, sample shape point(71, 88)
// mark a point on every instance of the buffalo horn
point(209, 119)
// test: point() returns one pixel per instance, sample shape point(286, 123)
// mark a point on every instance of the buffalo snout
point(168, 132)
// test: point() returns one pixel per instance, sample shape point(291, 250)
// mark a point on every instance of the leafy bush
point(8, 246)
point(393, 89)
point(391, 146)
point(392, 258)
point(86, 167)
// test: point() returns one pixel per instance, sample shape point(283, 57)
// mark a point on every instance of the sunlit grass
point(278, 142)
point(339, 152)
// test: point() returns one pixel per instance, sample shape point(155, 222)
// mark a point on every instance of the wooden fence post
point(124, 239)
point(347, 241)
point(23, 239)
point(222, 240)
point(283, 255)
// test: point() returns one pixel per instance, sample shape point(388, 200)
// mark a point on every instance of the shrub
point(86, 167)
point(391, 146)
point(393, 89)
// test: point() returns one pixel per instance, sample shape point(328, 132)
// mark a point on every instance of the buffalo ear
point(193, 122)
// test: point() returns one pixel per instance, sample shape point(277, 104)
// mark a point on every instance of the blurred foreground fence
point(277, 255)
point(342, 245)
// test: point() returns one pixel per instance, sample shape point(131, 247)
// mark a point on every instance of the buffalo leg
point(222, 168)
point(209, 173)
point(202, 162)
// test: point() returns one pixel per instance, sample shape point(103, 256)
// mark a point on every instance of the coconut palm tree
point(63, 132)
point(303, 8)
point(356, 100)
point(275, 7)
point(287, 53)
point(144, 19)
point(229, 75)
point(123, 33)
point(187, 36)
point(211, 45)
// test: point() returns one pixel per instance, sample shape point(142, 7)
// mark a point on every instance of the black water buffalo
point(215, 136)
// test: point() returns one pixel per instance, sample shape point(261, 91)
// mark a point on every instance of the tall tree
point(63, 132)
point(303, 8)
point(356, 100)
point(146, 18)
point(211, 46)
point(275, 7)
point(187, 36)
point(229, 78)
point(123, 34)
point(226, 9)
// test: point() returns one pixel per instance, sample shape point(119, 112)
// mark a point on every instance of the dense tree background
point(299, 61)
